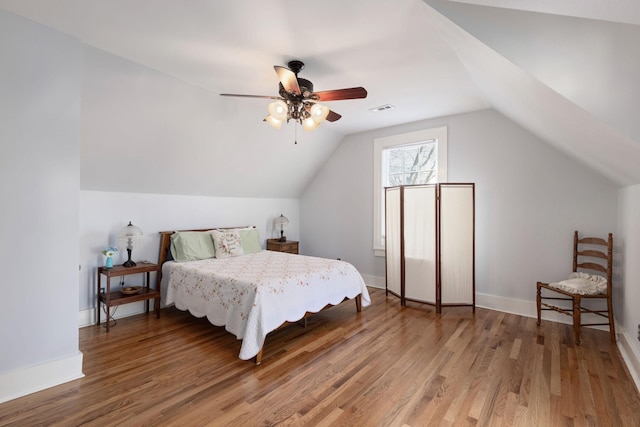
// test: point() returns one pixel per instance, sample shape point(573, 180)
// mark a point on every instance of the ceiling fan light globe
point(278, 110)
point(319, 112)
point(309, 124)
point(273, 122)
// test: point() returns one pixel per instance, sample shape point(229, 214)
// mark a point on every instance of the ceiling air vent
point(382, 108)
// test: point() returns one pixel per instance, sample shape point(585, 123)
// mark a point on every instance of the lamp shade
point(281, 222)
point(278, 110)
point(273, 122)
point(319, 112)
point(309, 124)
point(131, 235)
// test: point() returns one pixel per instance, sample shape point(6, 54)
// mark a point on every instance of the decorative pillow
point(191, 246)
point(227, 243)
point(250, 240)
point(583, 284)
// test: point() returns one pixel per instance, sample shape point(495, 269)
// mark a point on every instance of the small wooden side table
point(110, 299)
point(289, 246)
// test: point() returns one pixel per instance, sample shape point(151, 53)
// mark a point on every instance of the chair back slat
point(592, 241)
point(592, 266)
point(592, 253)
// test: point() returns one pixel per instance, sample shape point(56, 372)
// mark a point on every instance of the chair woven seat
point(583, 284)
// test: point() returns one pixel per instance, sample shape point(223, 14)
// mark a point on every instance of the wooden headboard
point(165, 241)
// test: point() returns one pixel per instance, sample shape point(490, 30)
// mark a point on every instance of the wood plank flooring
point(388, 366)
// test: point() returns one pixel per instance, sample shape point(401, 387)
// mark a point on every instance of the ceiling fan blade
point(333, 116)
point(250, 96)
point(339, 94)
point(288, 79)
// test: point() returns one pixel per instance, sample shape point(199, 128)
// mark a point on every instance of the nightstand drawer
point(289, 246)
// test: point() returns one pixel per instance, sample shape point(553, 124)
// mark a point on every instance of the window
point(410, 158)
point(410, 164)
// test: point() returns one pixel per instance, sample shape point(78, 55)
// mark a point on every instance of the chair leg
point(612, 329)
point(576, 318)
point(538, 300)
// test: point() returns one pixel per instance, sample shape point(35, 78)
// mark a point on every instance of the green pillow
point(191, 245)
point(250, 240)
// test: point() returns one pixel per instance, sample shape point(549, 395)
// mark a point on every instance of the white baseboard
point(524, 308)
point(25, 381)
point(517, 306)
point(88, 317)
point(630, 355)
point(374, 281)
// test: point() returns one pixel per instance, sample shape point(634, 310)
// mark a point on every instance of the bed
point(256, 291)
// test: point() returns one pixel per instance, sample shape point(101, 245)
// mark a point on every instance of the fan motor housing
point(305, 86)
point(296, 66)
point(306, 90)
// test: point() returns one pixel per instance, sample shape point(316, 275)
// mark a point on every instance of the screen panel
point(392, 239)
point(420, 243)
point(457, 267)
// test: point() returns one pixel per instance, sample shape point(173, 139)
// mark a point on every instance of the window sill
point(378, 252)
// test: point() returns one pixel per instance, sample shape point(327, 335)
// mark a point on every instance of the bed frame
point(164, 255)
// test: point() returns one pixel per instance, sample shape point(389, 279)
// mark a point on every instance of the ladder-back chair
point(591, 257)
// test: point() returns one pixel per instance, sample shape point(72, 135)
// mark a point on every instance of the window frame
point(438, 134)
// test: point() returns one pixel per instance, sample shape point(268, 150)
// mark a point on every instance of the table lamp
point(132, 236)
point(281, 224)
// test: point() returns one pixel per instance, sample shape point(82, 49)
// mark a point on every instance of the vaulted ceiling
point(567, 71)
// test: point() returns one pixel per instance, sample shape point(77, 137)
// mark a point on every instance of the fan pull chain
point(295, 137)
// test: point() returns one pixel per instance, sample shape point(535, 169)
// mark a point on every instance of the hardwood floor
point(388, 366)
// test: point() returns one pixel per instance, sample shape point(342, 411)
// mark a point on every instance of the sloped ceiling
point(567, 72)
point(624, 11)
point(568, 80)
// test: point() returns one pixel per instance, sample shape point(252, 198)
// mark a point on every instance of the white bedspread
point(253, 294)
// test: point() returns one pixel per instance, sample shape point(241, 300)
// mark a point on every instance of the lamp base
point(282, 239)
point(128, 262)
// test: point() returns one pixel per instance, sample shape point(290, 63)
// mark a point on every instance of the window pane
point(410, 164)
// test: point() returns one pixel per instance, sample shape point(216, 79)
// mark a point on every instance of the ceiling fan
point(299, 102)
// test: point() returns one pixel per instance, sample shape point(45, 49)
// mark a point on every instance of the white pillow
point(227, 243)
point(583, 284)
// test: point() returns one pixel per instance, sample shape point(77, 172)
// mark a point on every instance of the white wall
point(627, 289)
point(102, 214)
point(529, 200)
point(39, 187)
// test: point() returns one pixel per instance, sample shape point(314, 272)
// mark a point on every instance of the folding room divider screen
point(430, 243)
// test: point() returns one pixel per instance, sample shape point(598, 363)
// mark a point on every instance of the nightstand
point(290, 246)
point(110, 299)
